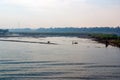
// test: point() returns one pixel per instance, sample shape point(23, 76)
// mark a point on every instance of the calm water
point(87, 60)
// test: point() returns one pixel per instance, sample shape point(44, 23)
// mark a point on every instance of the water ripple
point(35, 74)
point(103, 66)
point(10, 70)
point(64, 64)
point(25, 62)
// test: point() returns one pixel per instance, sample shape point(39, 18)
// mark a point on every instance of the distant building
point(4, 31)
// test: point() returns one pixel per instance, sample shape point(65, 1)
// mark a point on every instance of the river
point(87, 60)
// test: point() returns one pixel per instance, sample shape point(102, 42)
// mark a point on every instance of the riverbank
point(28, 41)
point(108, 39)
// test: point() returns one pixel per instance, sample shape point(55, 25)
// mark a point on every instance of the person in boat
point(74, 42)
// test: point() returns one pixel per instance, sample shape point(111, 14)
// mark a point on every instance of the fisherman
point(48, 42)
point(106, 43)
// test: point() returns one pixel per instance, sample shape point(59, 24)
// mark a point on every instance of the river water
point(87, 60)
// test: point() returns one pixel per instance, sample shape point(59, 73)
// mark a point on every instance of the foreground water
point(87, 60)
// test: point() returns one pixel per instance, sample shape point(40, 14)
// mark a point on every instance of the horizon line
point(62, 27)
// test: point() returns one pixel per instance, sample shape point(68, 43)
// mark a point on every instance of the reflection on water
point(87, 60)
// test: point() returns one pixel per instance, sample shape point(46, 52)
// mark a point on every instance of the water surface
point(87, 60)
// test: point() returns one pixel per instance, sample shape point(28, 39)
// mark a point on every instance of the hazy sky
point(59, 13)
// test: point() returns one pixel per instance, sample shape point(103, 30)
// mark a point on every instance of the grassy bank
point(112, 39)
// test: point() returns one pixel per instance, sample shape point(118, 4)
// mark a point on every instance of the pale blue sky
point(59, 13)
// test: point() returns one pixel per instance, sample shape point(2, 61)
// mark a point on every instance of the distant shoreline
point(107, 39)
point(112, 39)
point(28, 41)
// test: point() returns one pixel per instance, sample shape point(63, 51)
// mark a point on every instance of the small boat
point(74, 42)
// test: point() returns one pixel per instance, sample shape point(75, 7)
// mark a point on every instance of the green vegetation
point(111, 38)
point(105, 36)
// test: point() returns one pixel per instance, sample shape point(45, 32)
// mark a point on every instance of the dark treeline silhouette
point(3, 31)
point(108, 30)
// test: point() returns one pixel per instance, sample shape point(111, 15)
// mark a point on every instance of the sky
point(59, 13)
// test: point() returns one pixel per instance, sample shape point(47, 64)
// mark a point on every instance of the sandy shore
point(27, 41)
